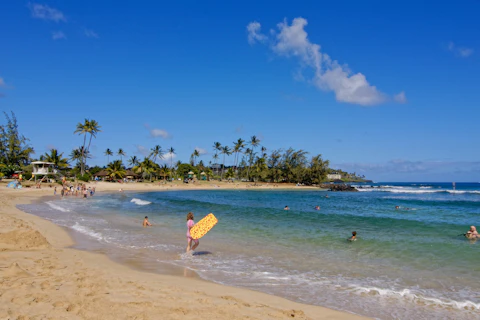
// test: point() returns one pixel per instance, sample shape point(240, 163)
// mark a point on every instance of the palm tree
point(79, 154)
point(215, 159)
point(133, 161)
point(195, 154)
point(171, 152)
point(121, 153)
point(146, 167)
point(164, 171)
point(56, 159)
point(156, 152)
point(225, 151)
point(237, 148)
point(249, 153)
point(115, 170)
point(264, 150)
point(108, 153)
point(217, 147)
point(254, 142)
point(93, 128)
point(82, 128)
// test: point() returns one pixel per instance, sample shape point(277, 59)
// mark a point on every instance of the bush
point(27, 176)
point(85, 178)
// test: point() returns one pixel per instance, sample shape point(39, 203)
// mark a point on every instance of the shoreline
point(44, 275)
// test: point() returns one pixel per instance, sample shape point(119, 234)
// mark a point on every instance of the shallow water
point(407, 263)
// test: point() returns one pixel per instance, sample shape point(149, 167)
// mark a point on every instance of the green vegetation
point(251, 162)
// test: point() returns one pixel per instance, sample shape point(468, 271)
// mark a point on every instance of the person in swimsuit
point(353, 237)
point(286, 208)
point(317, 207)
point(190, 240)
point(146, 223)
point(472, 233)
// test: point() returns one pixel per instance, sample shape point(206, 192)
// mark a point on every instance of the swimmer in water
point(317, 207)
point(146, 223)
point(353, 237)
point(472, 233)
point(397, 207)
point(286, 208)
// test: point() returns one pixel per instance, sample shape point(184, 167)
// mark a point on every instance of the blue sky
point(386, 90)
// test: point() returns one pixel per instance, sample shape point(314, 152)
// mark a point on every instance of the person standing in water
point(190, 240)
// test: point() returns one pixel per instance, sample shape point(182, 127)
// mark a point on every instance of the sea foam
point(140, 202)
point(56, 207)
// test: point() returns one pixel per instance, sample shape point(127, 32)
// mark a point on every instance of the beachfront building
point(44, 169)
point(334, 176)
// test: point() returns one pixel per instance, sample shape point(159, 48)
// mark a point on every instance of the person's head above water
point(473, 229)
point(354, 233)
point(190, 216)
point(146, 217)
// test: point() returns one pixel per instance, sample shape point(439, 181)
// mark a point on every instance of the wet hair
point(354, 233)
point(146, 217)
point(190, 216)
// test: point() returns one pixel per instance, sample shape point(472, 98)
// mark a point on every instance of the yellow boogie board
point(203, 226)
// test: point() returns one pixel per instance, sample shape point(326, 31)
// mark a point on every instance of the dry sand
point(42, 278)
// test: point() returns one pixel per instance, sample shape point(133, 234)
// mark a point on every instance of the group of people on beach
point(75, 190)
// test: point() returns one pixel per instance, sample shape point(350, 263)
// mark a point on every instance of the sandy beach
point(43, 278)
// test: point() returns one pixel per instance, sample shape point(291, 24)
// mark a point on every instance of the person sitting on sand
point(286, 208)
point(190, 240)
point(146, 223)
point(472, 233)
point(353, 237)
point(317, 207)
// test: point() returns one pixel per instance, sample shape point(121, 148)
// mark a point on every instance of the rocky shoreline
point(338, 187)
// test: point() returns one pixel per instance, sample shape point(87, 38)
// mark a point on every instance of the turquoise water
point(408, 263)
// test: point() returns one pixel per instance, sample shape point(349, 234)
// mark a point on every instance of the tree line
point(251, 160)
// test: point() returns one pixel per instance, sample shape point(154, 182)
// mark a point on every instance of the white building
point(334, 176)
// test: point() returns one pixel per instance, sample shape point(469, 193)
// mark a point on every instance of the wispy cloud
point(50, 147)
point(462, 52)
point(2, 83)
point(155, 132)
point(400, 98)
point(57, 35)
point(239, 129)
point(45, 12)
point(254, 35)
point(328, 74)
point(142, 150)
point(90, 33)
point(2, 95)
point(201, 151)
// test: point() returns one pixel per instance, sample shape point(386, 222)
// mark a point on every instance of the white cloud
point(56, 35)
point(328, 75)
point(253, 28)
point(155, 133)
point(44, 12)
point(462, 52)
point(90, 33)
point(2, 83)
point(201, 151)
point(400, 98)
point(142, 150)
point(159, 133)
point(167, 157)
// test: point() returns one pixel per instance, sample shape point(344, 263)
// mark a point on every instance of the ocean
point(408, 263)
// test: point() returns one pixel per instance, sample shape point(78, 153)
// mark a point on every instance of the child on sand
point(353, 237)
point(146, 223)
point(190, 240)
